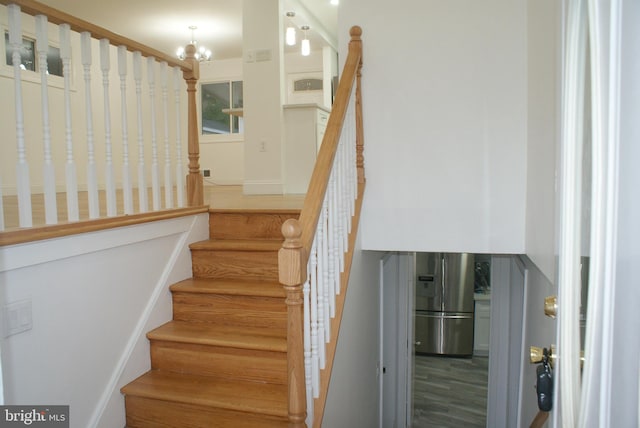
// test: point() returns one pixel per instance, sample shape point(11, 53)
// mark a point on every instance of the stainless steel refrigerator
point(444, 303)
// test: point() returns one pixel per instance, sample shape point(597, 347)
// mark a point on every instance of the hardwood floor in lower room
point(450, 392)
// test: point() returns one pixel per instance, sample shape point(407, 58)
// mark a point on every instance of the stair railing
point(103, 168)
point(315, 258)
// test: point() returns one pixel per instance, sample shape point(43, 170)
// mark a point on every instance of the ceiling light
point(202, 53)
point(290, 35)
point(335, 2)
point(306, 46)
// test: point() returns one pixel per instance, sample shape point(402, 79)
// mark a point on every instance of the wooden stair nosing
point(237, 245)
point(276, 211)
point(203, 333)
point(234, 287)
point(237, 395)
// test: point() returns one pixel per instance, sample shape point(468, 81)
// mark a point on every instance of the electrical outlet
point(206, 173)
point(263, 146)
point(17, 317)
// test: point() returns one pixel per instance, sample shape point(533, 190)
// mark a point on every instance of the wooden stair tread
point(238, 245)
point(235, 394)
point(233, 287)
point(203, 333)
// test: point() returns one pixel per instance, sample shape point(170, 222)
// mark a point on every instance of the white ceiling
point(164, 24)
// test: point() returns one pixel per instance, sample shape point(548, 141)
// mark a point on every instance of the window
point(218, 101)
point(29, 59)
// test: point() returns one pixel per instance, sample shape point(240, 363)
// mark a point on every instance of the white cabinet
point(482, 325)
point(304, 125)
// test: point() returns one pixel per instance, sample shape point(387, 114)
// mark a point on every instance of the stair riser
point(230, 310)
point(235, 264)
point(230, 225)
point(149, 413)
point(260, 366)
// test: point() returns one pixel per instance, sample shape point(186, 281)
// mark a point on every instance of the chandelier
point(202, 53)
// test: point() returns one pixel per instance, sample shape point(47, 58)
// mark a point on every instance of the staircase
point(222, 360)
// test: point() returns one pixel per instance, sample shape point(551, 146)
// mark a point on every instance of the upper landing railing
point(106, 132)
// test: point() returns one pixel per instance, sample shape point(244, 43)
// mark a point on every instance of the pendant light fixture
point(306, 46)
point(290, 35)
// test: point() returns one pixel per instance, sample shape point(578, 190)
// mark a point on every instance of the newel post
point(292, 266)
point(356, 45)
point(195, 196)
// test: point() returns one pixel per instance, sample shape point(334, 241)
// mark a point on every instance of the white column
point(263, 81)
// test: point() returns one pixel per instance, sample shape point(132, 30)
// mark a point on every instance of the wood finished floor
point(221, 197)
point(450, 392)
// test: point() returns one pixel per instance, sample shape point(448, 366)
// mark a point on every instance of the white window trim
point(216, 138)
point(6, 71)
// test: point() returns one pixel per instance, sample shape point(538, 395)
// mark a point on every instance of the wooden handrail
point(55, 16)
point(322, 169)
point(299, 234)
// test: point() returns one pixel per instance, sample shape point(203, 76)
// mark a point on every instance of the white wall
point(444, 101)
point(94, 297)
point(544, 37)
point(225, 156)
point(352, 400)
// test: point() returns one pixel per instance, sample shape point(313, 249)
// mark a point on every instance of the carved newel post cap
point(190, 51)
point(292, 231)
point(355, 32)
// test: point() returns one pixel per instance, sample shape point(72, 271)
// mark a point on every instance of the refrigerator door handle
point(443, 279)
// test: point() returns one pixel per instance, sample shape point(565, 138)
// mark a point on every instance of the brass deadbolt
point(551, 306)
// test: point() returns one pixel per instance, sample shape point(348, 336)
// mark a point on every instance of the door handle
point(551, 306)
point(417, 343)
point(536, 355)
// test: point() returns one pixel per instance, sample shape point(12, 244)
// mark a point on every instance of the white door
point(605, 392)
point(397, 311)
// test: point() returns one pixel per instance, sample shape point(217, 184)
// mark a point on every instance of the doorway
point(407, 382)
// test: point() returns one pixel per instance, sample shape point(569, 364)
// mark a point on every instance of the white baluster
point(1, 207)
point(342, 211)
point(70, 170)
point(168, 185)
point(346, 192)
point(313, 273)
point(48, 178)
point(331, 247)
point(22, 167)
point(110, 181)
point(323, 280)
point(142, 183)
point(306, 329)
point(92, 175)
point(177, 82)
point(127, 186)
point(352, 162)
point(155, 171)
point(337, 242)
